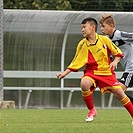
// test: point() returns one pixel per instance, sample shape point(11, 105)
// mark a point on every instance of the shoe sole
point(91, 119)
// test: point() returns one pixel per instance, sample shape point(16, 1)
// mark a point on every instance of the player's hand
point(113, 65)
point(63, 74)
point(60, 75)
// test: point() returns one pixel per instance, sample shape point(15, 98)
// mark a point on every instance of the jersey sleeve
point(80, 58)
point(126, 36)
point(122, 35)
point(114, 49)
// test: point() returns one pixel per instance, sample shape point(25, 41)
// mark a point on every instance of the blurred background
point(34, 32)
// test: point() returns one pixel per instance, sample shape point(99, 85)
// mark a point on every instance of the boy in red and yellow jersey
point(93, 52)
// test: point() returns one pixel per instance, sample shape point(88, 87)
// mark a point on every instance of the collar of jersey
point(97, 37)
point(112, 35)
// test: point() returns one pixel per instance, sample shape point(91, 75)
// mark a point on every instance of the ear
point(112, 25)
point(93, 26)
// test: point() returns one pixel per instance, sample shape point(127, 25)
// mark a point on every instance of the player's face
point(87, 29)
point(106, 29)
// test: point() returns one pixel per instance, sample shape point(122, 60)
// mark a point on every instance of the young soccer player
point(124, 41)
point(93, 52)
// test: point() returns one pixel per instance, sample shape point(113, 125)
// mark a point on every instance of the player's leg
point(121, 96)
point(127, 81)
point(113, 85)
point(124, 88)
point(87, 86)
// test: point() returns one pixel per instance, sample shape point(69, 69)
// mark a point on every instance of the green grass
point(64, 121)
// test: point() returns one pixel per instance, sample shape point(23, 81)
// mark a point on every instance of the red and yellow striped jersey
point(95, 57)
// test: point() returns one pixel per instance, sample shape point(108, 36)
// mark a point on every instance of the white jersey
point(124, 41)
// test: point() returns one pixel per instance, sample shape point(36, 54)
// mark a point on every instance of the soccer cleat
point(92, 113)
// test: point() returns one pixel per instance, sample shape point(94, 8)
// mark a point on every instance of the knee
point(85, 84)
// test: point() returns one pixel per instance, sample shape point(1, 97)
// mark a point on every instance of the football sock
point(88, 99)
point(128, 105)
point(131, 99)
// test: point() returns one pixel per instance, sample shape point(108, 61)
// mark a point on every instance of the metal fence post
point(1, 50)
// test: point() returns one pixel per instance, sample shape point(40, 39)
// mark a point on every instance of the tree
point(102, 5)
point(77, 5)
point(38, 4)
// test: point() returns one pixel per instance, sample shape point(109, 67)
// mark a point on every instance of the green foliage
point(102, 5)
point(64, 121)
point(38, 4)
point(77, 5)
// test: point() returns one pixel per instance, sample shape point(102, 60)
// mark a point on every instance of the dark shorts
point(127, 79)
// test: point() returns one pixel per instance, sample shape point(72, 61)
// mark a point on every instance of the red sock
point(88, 99)
point(128, 105)
point(129, 108)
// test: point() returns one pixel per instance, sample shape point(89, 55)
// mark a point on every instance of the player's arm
point(80, 58)
point(126, 36)
point(63, 74)
point(115, 62)
point(115, 51)
point(78, 61)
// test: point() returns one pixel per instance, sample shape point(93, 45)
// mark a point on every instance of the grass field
point(64, 121)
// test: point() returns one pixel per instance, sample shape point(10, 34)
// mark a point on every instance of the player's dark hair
point(92, 21)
